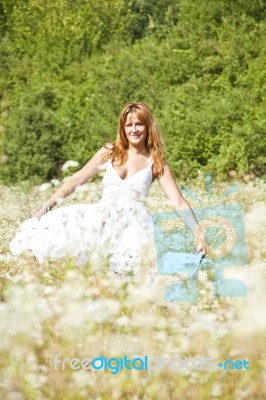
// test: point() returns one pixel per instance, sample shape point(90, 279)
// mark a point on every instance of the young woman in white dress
point(119, 226)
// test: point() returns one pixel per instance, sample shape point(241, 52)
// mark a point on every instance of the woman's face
point(135, 131)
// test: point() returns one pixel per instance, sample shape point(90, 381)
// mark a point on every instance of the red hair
point(153, 142)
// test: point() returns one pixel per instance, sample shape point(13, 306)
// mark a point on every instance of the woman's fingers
point(39, 213)
point(202, 247)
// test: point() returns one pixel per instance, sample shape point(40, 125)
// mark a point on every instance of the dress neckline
point(127, 179)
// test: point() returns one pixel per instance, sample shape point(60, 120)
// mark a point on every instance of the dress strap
point(151, 161)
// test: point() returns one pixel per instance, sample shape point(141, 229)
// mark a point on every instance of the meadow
point(58, 308)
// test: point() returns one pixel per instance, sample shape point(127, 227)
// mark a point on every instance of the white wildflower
point(68, 164)
point(36, 380)
point(14, 395)
point(162, 336)
point(123, 321)
point(83, 188)
point(81, 379)
point(216, 390)
point(55, 182)
point(23, 313)
point(102, 310)
point(44, 187)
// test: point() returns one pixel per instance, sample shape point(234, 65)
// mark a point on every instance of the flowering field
point(57, 308)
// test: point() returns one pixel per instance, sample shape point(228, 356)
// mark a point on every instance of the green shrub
point(199, 65)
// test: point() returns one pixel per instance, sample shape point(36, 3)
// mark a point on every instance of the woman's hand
point(40, 213)
point(202, 245)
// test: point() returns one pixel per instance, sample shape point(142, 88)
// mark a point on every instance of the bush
point(201, 72)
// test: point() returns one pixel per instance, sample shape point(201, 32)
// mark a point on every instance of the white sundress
point(118, 228)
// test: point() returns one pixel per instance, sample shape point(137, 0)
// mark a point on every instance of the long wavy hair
point(153, 142)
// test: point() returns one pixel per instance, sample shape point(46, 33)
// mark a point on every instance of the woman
point(118, 227)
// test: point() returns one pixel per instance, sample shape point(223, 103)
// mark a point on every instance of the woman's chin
point(136, 140)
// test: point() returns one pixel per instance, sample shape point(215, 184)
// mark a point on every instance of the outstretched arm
point(182, 207)
point(79, 178)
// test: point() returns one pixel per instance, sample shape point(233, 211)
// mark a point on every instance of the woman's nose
point(134, 128)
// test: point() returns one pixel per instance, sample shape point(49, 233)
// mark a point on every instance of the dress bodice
point(136, 187)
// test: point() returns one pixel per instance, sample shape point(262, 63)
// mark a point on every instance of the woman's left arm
point(182, 207)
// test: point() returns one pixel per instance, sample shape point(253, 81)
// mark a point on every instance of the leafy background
point(68, 68)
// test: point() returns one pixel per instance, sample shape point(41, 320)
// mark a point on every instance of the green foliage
point(32, 140)
point(199, 65)
point(152, 16)
point(62, 31)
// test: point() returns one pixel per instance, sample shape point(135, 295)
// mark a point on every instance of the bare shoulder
point(92, 167)
point(108, 146)
point(104, 150)
point(166, 171)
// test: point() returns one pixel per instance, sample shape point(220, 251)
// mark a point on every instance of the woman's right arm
point(79, 178)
